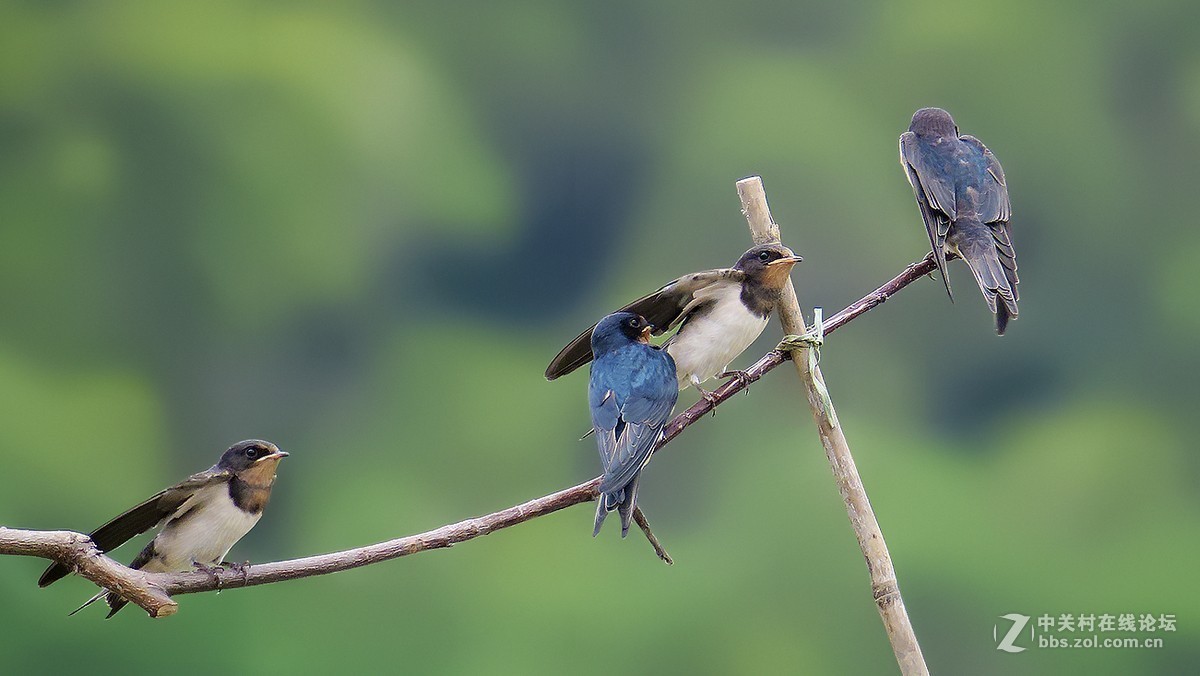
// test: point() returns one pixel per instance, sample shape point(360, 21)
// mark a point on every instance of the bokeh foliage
point(361, 230)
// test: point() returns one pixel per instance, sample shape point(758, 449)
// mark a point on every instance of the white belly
point(706, 345)
point(203, 536)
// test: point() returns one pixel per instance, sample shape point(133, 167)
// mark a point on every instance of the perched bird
point(718, 313)
point(631, 394)
point(202, 517)
point(963, 198)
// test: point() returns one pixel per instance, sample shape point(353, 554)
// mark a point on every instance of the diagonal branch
point(153, 591)
point(884, 587)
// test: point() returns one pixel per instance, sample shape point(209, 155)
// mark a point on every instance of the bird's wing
point(995, 210)
point(606, 418)
point(994, 205)
point(937, 188)
point(169, 502)
point(935, 197)
point(1007, 254)
point(630, 454)
point(644, 413)
point(665, 309)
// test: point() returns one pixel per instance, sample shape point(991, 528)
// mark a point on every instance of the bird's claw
point(210, 570)
point(242, 569)
point(709, 397)
point(740, 376)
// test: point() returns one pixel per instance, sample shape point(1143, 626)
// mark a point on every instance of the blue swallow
point(632, 391)
point(963, 197)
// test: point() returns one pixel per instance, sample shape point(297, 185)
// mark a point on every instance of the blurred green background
point(362, 229)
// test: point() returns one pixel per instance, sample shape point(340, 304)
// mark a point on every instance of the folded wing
point(640, 421)
point(935, 197)
point(140, 519)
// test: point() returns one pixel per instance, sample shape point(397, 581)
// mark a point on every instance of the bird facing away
point(718, 314)
point(632, 391)
point(202, 517)
point(963, 198)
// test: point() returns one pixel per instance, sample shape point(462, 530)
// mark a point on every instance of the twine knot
point(811, 339)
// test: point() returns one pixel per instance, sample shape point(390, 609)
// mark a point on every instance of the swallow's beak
point(645, 337)
point(277, 455)
point(789, 260)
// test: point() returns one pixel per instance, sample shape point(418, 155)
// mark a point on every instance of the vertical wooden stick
point(884, 587)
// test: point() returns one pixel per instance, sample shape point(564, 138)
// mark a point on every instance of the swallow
point(202, 517)
point(632, 391)
point(716, 315)
point(963, 197)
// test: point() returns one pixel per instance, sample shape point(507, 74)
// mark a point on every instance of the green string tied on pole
point(811, 342)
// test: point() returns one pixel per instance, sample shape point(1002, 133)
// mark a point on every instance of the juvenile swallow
point(632, 391)
point(202, 517)
point(718, 314)
point(960, 189)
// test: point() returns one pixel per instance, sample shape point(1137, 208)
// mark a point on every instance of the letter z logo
point(1006, 643)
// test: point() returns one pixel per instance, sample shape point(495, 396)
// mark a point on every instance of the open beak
point(645, 337)
point(277, 455)
point(789, 260)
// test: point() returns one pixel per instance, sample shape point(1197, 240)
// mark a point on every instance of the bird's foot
point(242, 568)
point(211, 571)
point(708, 396)
point(740, 376)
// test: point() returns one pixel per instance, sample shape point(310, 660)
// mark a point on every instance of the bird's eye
point(764, 256)
point(252, 452)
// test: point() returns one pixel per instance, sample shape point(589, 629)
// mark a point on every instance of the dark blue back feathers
point(631, 394)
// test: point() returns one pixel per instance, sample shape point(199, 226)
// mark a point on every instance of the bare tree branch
point(153, 591)
point(77, 551)
point(884, 587)
point(642, 523)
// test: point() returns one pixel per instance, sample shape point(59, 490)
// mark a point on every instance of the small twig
point(884, 587)
point(642, 523)
point(907, 276)
point(152, 591)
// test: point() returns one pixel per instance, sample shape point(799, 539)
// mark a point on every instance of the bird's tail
point(605, 504)
point(623, 501)
point(976, 246)
point(115, 603)
point(89, 602)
